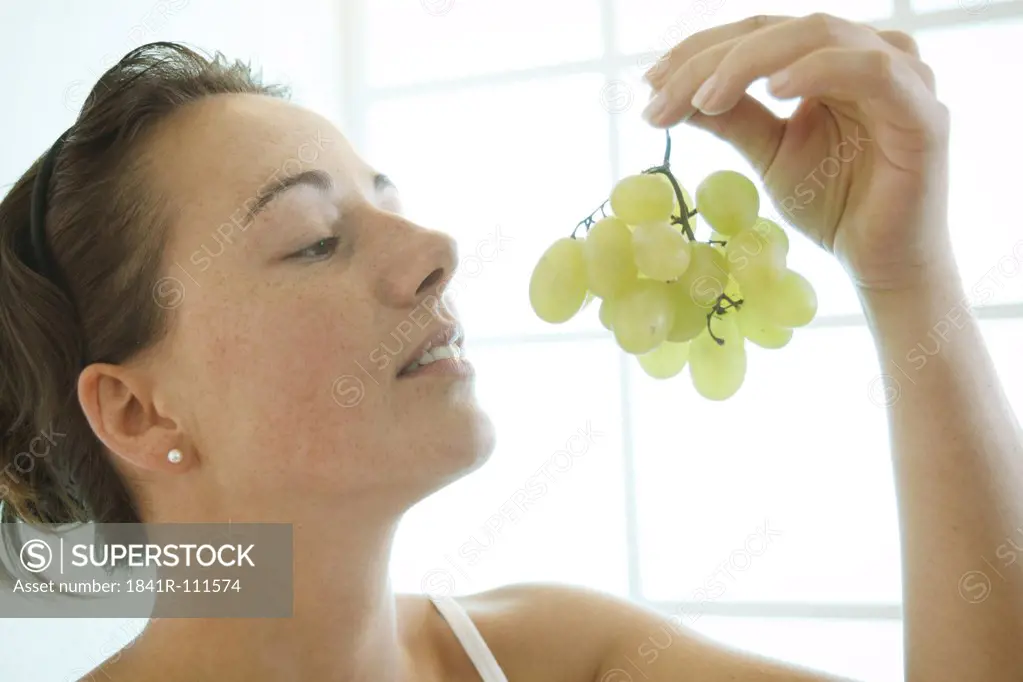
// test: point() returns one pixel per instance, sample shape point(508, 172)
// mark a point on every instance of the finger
point(717, 81)
point(750, 127)
point(906, 43)
point(901, 41)
point(678, 91)
point(892, 87)
point(668, 63)
point(659, 73)
point(735, 64)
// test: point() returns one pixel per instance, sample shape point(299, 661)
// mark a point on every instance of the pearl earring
point(174, 456)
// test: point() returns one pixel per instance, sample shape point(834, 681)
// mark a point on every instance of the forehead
point(220, 151)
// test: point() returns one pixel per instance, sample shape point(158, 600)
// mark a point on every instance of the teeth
point(439, 353)
point(444, 352)
point(434, 354)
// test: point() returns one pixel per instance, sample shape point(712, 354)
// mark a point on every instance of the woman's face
point(290, 328)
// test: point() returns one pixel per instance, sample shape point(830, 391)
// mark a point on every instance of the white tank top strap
point(471, 639)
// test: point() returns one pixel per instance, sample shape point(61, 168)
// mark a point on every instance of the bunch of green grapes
point(668, 298)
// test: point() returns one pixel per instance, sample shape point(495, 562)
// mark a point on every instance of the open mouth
point(445, 345)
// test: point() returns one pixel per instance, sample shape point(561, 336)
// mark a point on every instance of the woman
point(214, 402)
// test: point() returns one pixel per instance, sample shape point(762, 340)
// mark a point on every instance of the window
point(516, 118)
point(504, 122)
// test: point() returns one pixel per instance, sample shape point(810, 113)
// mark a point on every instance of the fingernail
point(704, 97)
point(655, 108)
point(778, 82)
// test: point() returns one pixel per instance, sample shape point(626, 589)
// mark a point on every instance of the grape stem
point(720, 309)
point(731, 303)
point(682, 219)
point(665, 169)
point(589, 220)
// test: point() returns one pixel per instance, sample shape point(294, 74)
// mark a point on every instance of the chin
point(484, 438)
point(471, 439)
point(457, 444)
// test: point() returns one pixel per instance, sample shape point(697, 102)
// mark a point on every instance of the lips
point(448, 335)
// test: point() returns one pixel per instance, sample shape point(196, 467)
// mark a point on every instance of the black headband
point(40, 257)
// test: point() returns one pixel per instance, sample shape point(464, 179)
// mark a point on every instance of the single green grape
point(791, 301)
point(755, 259)
point(728, 201)
point(642, 317)
point(610, 264)
point(665, 361)
point(643, 198)
point(707, 275)
point(557, 287)
point(760, 331)
point(717, 371)
point(660, 251)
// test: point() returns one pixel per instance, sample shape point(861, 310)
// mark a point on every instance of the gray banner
point(228, 570)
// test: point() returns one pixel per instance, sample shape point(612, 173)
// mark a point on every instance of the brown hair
point(106, 227)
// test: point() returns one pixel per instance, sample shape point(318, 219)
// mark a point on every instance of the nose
point(417, 262)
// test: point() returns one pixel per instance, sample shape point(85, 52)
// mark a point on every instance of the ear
point(125, 414)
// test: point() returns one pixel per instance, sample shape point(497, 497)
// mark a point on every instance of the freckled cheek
point(269, 357)
point(292, 348)
point(283, 384)
point(302, 349)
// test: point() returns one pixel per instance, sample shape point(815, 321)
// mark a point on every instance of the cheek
point(284, 370)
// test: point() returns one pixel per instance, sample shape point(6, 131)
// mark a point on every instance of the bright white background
point(513, 118)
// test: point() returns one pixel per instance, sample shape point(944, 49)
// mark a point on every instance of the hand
point(860, 166)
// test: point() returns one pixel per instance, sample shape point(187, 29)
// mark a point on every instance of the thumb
point(750, 127)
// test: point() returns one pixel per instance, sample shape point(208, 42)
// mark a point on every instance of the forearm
point(958, 464)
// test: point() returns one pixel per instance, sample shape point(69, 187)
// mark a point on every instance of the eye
point(322, 248)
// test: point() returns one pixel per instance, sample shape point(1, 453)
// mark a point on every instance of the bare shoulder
point(545, 631)
point(550, 631)
point(544, 605)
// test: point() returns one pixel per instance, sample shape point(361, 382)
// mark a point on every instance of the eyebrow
point(312, 178)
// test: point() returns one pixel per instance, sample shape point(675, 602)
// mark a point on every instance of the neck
point(344, 625)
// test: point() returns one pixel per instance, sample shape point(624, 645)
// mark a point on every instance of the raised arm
point(958, 464)
point(867, 99)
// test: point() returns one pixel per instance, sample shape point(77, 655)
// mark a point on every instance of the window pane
point(549, 505)
point(782, 493)
point(410, 41)
point(854, 649)
point(984, 153)
point(525, 162)
point(658, 25)
point(697, 154)
point(300, 46)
